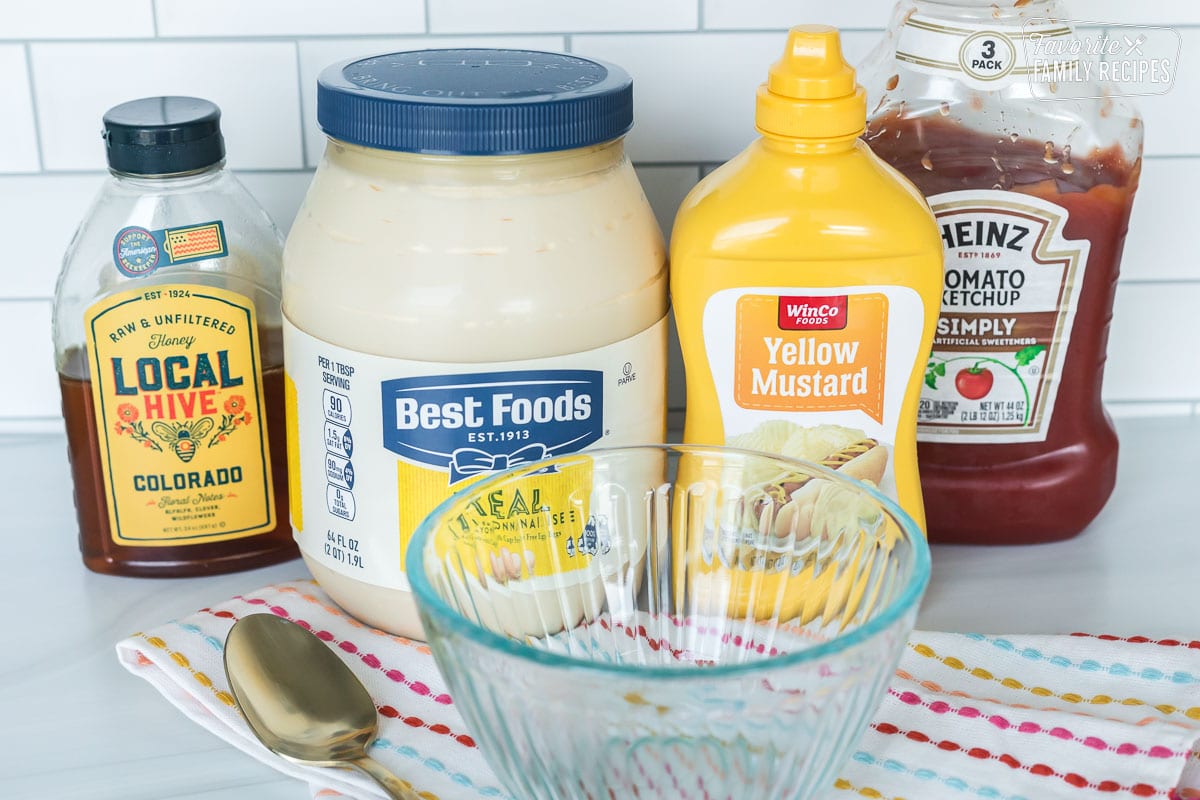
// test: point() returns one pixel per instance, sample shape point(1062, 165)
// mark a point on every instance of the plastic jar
point(1030, 167)
point(475, 280)
point(170, 356)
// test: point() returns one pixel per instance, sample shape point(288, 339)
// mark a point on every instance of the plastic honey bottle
point(170, 356)
point(806, 279)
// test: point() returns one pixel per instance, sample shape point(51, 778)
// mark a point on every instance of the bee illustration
point(183, 437)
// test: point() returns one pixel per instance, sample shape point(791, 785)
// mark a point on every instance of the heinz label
point(382, 441)
point(177, 387)
point(1011, 290)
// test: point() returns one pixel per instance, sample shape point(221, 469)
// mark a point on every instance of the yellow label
point(538, 525)
point(177, 386)
point(295, 485)
point(811, 353)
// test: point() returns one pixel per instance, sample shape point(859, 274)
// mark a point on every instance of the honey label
point(815, 373)
point(178, 392)
point(1011, 290)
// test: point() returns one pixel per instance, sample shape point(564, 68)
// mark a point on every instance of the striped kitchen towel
point(967, 717)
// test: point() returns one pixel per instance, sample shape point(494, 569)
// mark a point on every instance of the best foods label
point(177, 387)
point(380, 442)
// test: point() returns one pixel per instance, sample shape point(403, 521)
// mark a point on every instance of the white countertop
point(77, 726)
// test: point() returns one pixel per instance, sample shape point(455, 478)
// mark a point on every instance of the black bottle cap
point(163, 135)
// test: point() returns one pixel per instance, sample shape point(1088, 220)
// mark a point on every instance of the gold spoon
point(301, 701)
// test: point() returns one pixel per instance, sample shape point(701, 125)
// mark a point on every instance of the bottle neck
point(477, 170)
point(809, 147)
point(182, 180)
point(989, 12)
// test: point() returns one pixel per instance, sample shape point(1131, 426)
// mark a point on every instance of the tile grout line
point(428, 26)
point(300, 105)
point(285, 37)
point(33, 106)
point(154, 16)
point(699, 15)
point(698, 163)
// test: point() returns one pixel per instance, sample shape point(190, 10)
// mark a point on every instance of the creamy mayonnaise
point(476, 282)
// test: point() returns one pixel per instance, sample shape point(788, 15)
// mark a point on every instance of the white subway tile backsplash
point(18, 148)
point(696, 65)
point(680, 81)
point(254, 83)
point(35, 394)
point(1152, 250)
point(561, 16)
point(665, 188)
point(38, 216)
point(734, 14)
point(694, 93)
point(76, 19)
point(1172, 118)
point(1152, 352)
point(280, 193)
point(1125, 410)
point(288, 17)
point(1143, 12)
point(316, 55)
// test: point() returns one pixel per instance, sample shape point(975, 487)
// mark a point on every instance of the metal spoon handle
point(396, 788)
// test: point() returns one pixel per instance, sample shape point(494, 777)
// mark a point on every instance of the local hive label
point(177, 388)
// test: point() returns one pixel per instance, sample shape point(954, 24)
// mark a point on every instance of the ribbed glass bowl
point(667, 621)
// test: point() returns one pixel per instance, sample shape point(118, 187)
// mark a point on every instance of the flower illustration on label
point(235, 414)
point(129, 424)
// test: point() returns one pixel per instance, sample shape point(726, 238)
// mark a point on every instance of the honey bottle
point(167, 341)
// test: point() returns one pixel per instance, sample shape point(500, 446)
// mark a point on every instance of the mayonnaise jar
point(475, 281)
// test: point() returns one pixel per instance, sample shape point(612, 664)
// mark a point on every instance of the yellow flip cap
point(811, 91)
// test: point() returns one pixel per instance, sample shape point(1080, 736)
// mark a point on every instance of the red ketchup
point(1031, 184)
point(1014, 492)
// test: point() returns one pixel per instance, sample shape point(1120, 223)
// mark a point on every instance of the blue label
point(489, 421)
point(138, 252)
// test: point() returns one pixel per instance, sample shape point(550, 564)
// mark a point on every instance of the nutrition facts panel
point(339, 449)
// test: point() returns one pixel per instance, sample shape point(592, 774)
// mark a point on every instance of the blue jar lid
point(478, 102)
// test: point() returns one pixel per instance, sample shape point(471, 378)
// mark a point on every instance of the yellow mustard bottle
point(806, 279)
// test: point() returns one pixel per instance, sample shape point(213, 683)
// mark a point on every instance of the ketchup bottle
point(1030, 170)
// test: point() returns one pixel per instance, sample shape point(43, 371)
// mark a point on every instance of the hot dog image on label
point(790, 499)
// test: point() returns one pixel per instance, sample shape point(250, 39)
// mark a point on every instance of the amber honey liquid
point(102, 554)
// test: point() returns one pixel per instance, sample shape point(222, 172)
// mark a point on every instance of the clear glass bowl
point(667, 621)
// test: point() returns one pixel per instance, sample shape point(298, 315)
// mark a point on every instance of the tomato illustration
point(974, 382)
